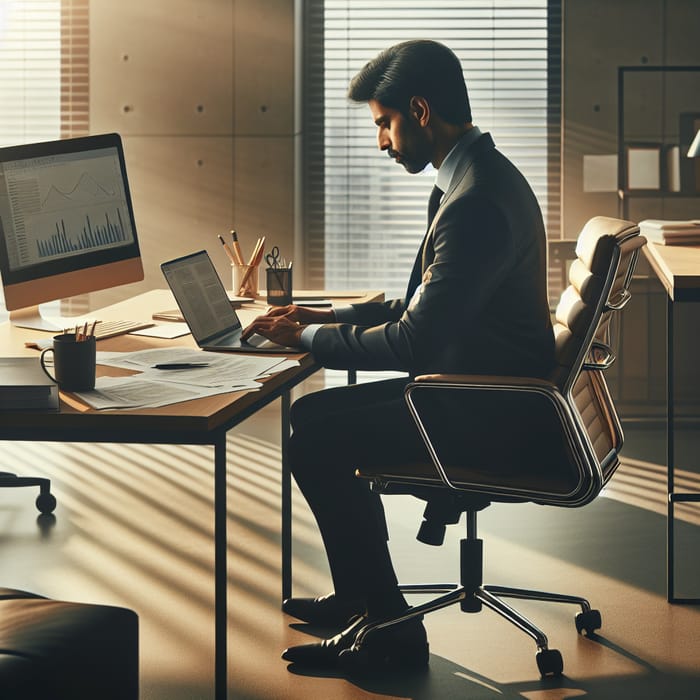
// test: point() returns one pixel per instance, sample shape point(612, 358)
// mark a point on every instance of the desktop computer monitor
point(66, 223)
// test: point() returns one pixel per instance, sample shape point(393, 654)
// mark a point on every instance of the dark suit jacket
point(482, 307)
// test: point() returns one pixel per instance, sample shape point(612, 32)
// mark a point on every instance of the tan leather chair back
point(599, 278)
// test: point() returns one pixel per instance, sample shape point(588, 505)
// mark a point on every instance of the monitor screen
point(66, 222)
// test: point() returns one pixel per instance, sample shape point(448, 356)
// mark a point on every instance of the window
point(43, 70)
point(364, 216)
point(30, 85)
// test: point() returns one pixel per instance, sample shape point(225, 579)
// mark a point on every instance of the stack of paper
point(671, 232)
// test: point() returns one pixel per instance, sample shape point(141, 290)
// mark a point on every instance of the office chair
point(45, 501)
point(551, 441)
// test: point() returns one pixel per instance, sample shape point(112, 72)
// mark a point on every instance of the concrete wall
point(202, 92)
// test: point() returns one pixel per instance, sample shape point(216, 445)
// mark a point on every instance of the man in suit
point(476, 303)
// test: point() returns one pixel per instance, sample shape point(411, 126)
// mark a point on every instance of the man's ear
point(419, 109)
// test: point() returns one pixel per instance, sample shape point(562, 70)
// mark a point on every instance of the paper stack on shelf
point(669, 232)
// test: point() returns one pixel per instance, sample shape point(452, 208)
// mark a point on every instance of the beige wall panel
point(264, 67)
point(682, 22)
point(181, 188)
point(160, 67)
point(264, 193)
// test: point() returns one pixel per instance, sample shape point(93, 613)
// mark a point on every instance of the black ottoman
point(55, 650)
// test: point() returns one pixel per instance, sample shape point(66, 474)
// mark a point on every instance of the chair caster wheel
point(550, 662)
point(46, 503)
point(588, 622)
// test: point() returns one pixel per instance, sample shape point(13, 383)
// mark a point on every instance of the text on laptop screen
point(200, 295)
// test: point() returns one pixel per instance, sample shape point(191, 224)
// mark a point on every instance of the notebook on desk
point(206, 308)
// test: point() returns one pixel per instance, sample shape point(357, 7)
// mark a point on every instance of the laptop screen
point(201, 296)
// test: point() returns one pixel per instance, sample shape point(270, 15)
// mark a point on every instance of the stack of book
point(669, 232)
point(25, 387)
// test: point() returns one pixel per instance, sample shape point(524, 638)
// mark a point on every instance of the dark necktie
point(434, 203)
point(417, 273)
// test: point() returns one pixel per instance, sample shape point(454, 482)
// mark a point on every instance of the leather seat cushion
point(62, 650)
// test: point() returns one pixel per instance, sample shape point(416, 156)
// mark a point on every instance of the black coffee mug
point(73, 362)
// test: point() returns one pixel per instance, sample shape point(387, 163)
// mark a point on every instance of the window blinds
point(75, 73)
point(365, 216)
point(43, 70)
point(30, 46)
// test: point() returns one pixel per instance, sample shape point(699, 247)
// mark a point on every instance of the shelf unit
point(624, 194)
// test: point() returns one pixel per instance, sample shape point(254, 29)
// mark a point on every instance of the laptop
point(206, 308)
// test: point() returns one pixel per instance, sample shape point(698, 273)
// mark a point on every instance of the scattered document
point(221, 368)
point(211, 373)
point(138, 392)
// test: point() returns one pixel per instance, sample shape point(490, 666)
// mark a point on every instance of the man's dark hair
point(422, 68)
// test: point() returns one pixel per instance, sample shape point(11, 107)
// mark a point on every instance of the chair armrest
point(487, 380)
point(601, 356)
point(485, 432)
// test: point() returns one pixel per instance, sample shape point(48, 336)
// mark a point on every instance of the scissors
point(273, 258)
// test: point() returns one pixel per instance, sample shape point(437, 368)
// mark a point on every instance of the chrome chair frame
point(593, 469)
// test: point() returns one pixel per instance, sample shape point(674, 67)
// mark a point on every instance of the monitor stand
point(31, 317)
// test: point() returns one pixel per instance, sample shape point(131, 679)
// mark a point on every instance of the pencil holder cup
point(279, 286)
point(73, 362)
point(245, 280)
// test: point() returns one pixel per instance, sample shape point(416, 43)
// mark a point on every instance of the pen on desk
point(229, 252)
point(180, 365)
point(237, 248)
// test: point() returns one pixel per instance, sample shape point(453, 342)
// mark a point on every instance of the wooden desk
point(199, 422)
point(678, 270)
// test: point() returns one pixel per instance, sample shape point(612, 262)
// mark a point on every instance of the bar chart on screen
point(62, 207)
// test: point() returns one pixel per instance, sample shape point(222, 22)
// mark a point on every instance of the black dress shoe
point(324, 654)
point(404, 645)
point(325, 611)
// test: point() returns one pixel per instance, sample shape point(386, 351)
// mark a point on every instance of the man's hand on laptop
point(284, 324)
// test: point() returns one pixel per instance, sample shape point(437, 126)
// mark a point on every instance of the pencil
point(258, 257)
point(254, 261)
point(229, 253)
point(237, 248)
point(254, 254)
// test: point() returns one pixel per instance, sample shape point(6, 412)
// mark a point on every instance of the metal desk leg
point(286, 500)
point(220, 571)
point(673, 497)
point(670, 457)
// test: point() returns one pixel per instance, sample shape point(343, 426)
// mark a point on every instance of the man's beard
point(411, 165)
